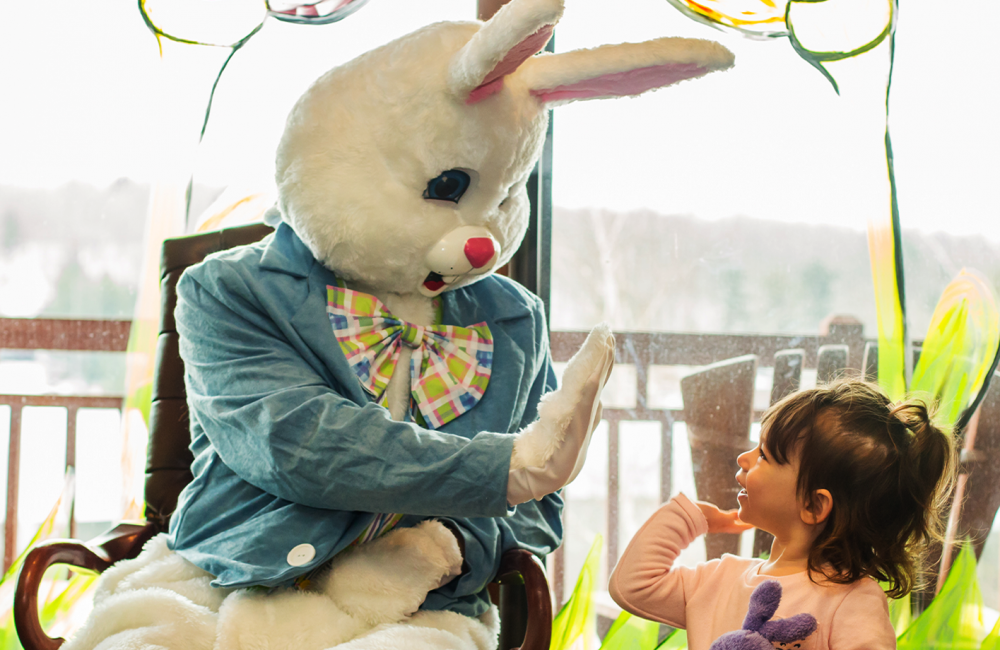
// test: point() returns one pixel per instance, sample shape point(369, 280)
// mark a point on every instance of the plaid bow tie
point(449, 368)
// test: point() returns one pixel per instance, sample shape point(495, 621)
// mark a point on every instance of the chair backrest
point(168, 460)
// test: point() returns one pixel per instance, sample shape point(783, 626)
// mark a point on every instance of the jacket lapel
point(288, 255)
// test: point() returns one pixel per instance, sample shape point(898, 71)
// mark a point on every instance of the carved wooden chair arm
point(521, 567)
point(121, 542)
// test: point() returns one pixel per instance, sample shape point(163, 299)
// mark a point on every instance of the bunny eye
point(448, 186)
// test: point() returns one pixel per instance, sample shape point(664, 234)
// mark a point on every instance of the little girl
point(852, 488)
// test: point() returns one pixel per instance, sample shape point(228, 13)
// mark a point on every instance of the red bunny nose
point(479, 251)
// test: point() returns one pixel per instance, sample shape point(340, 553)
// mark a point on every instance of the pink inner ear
point(515, 57)
point(617, 84)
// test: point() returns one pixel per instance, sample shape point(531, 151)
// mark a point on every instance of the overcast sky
point(82, 98)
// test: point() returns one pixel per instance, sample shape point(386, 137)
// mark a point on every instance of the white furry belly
point(398, 390)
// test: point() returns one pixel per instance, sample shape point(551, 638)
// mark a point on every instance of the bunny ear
point(786, 630)
point(619, 70)
point(763, 604)
point(519, 30)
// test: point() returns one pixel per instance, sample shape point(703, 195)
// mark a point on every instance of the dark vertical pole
point(543, 216)
point(486, 8)
point(531, 263)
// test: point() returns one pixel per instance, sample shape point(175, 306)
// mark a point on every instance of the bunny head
point(760, 632)
point(405, 170)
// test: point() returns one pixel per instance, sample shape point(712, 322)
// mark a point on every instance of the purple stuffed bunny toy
point(760, 632)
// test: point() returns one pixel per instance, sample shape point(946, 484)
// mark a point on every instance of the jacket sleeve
point(535, 526)
point(645, 582)
point(275, 421)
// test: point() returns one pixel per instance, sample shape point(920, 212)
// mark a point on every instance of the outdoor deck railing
point(639, 349)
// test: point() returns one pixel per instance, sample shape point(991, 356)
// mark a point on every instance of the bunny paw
point(592, 357)
point(388, 578)
point(588, 370)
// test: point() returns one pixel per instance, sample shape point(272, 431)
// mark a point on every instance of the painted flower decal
point(819, 31)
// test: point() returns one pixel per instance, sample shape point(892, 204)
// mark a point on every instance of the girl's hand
point(722, 521)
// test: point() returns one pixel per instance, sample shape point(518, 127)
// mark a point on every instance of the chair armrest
point(121, 542)
point(519, 566)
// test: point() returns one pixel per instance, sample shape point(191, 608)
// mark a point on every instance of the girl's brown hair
point(888, 468)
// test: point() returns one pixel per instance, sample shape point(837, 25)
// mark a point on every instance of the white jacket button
point(301, 554)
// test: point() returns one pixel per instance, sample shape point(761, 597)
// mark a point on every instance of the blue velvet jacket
point(291, 453)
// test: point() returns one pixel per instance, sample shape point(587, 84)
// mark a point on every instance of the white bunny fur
point(160, 600)
point(361, 144)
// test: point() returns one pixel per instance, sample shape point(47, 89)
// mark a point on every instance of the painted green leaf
point(576, 617)
point(954, 619)
point(216, 23)
point(824, 42)
point(678, 640)
point(961, 345)
point(631, 633)
point(992, 640)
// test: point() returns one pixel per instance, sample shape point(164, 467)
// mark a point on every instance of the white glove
point(549, 453)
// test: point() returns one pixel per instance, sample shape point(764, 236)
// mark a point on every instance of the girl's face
point(768, 499)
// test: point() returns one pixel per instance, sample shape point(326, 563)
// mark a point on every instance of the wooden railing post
point(13, 474)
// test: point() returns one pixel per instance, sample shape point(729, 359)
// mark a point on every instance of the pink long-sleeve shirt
point(712, 598)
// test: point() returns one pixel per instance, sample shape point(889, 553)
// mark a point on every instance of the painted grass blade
point(66, 609)
point(576, 618)
point(901, 613)
point(631, 633)
point(960, 348)
point(886, 260)
point(954, 619)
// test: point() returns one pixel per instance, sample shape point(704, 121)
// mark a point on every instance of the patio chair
point(718, 409)
point(521, 589)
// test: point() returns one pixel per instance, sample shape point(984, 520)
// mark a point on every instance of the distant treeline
point(637, 270)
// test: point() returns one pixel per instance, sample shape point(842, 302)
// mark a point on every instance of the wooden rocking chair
point(521, 590)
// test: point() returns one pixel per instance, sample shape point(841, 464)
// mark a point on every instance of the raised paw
point(592, 362)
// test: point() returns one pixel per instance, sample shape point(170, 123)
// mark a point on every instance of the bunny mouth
point(434, 281)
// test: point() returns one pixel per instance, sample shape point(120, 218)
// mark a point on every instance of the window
point(737, 204)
